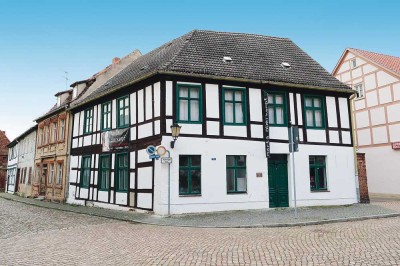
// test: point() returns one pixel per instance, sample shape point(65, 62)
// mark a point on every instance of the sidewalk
point(236, 219)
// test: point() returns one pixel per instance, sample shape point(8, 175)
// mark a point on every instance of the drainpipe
point(355, 144)
point(68, 159)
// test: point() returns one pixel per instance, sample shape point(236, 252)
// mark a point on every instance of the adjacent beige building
point(376, 114)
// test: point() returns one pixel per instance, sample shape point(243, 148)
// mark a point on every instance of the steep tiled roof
point(254, 57)
point(23, 135)
point(390, 62)
point(4, 141)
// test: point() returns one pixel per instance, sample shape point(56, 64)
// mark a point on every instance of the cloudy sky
point(40, 40)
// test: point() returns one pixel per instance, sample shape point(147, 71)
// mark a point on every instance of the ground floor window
point(236, 173)
point(318, 180)
point(59, 173)
point(30, 176)
point(104, 172)
point(189, 174)
point(85, 171)
point(122, 171)
point(51, 174)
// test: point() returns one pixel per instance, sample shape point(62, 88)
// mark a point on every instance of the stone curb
point(274, 225)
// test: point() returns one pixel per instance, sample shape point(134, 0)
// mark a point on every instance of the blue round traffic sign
point(150, 150)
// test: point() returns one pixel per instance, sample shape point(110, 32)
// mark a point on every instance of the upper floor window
point(88, 122)
point(53, 132)
point(277, 109)
point(61, 134)
point(236, 173)
point(353, 63)
point(106, 116)
point(360, 90)
point(40, 136)
point(123, 112)
point(46, 135)
point(314, 110)
point(234, 104)
point(189, 103)
point(318, 179)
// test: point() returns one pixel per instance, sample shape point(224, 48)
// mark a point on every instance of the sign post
point(294, 147)
point(266, 126)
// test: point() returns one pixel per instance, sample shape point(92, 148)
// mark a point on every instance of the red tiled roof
point(387, 61)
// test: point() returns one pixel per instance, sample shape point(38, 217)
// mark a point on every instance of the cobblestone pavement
point(250, 218)
point(31, 235)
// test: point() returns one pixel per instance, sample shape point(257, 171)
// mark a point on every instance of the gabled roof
point(255, 58)
point(388, 62)
point(23, 135)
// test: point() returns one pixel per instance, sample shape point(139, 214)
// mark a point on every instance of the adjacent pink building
point(376, 115)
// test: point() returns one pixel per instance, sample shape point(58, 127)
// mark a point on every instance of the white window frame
point(359, 87)
point(353, 63)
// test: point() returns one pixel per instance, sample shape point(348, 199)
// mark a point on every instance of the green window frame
point(234, 104)
point(188, 97)
point(122, 172)
point(277, 109)
point(106, 116)
point(85, 171)
point(314, 112)
point(104, 172)
point(123, 116)
point(189, 174)
point(318, 179)
point(88, 121)
point(236, 177)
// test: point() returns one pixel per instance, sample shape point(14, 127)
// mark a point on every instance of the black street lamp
point(175, 130)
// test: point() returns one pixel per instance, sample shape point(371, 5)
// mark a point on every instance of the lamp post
point(175, 131)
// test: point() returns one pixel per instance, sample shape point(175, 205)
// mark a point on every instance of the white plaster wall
point(149, 103)
point(157, 99)
point(333, 136)
point(378, 158)
point(340, 173)
point(145, 177)
point(145, 130)
point(212, 128)
point(292, 112)
point(364, 137)
point(278, 133)
point(316, 135)
point(168, 98)
point(191, 128)
point(257, 131)
point(369, 82)
point(362, 119)
point(372, 98)
point(394, 133)
point(140, 96)
point(344, 113)
point(331, 109)
point(75, 131)
point(212, 101)
point(378, 116)
point(385, 95)
point(379, 135)
point(356, 72)
point(133, 108)
point(368, 68)
point(114, 113)
point(348, 56)
point(396, 91)
point(343, 67)
point(299, 109)
point(144, 200)
point(393, 112)
point(346, 137)
point(346, 77)
point(238, 131)
point(384, 78)
point(359, 104)
point(255, 105)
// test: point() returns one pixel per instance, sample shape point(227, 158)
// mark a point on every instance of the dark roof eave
point(348, 91)
point(61, 108)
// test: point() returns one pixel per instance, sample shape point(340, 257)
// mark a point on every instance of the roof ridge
point(361, 50)
point(184, 44)
point(247, 34)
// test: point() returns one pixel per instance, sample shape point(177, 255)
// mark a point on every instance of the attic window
point(144, 67)
point(75, 92)
point(353, 63)
point(227, 59)
point(286, 65)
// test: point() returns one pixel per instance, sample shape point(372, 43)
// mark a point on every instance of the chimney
point(116, 60)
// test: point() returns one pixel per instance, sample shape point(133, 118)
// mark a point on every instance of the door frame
point(283, 158)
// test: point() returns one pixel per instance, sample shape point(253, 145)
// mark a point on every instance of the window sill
point(322, 190)
point(227, 124)
point(189, 195)
point(104, 189)
point(316, 128)
point(190, 122)
point(239, 192)
point(359, 98)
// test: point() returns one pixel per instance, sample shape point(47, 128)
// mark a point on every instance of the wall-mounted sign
point(166, 160)
point(115, 140)
point(151, 150)
point(396, 145)
point(259, 174)
point(266, 126)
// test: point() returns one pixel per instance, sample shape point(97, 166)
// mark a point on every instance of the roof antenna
point(66, 79)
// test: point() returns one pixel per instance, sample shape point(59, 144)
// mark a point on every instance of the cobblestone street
point(31, 235)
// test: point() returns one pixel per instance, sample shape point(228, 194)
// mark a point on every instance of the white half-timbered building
point(213, 84)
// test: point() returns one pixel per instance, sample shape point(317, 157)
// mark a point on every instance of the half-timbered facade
point(213, 84)
point(376, 110)
point(12, 168)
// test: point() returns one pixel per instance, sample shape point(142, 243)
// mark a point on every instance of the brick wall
point(362, 178)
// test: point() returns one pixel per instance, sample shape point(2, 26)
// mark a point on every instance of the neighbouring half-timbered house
point(24, 149)
point(4, 141)
point(12, 168)
point(213, 84)
point(376, 110)
point(54, 129)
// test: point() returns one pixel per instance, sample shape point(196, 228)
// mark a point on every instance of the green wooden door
point(278, 181)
